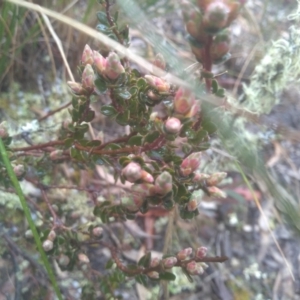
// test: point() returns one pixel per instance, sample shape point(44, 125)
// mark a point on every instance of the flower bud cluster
point(190, 164)
point(185, 104)
point(211, 181)
point(210, 18)
point(134, 172)
point(110, 68)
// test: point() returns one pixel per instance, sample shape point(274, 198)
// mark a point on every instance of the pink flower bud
point(51, 235)
point(194, 268)
point(154, 262)
point(153, 275)
point(169, 262)
point(88, 77)
point(63, 260)
point(114, 67)
point(159, 61)
point(172, 125)
point(83, 258)
point(218, 50)
point(132, 172)
point(216, 16)
point(183, 101)
point(87, 56)
point(3, 130)
point(200, 177)
point(163, 183)
point(99, 62)
point(76, 87)
point(157, 83)
point(56, 154)
point(201, 252)
point(97, 231)
point(19, 170)
point(215, 178)
point(216, 192)
point(195, 109)
point(184, 254)
point(146, 177)
point(192, 205)
point(190, 164)
point(47, 245)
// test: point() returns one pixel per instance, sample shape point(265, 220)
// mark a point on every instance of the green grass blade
point(20, 194)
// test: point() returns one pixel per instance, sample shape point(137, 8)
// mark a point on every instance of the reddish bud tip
point(194, 268)
point(169, 262)
point(192, 205)
point(87, 56)
point(75, 87)
point(201, 252)
point(184, 254)
point(200, 177)
point(113, 67)
point(190, 164)
point(215, 178)
point(216, 192)
point(183, 101)
point(97, 231)
point(146, 177)
point(158, 83)
point(88, 77)
point(163, 183)
point(155, 262)
point(99, 62)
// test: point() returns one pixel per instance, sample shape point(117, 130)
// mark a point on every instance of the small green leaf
point(103, 28)
point(209, 126)
point(151, 137)
point(109, 264)
point(108, 110)
point(167, 276)
point(123, 118)
point(123, 93)
point(101, 16)
point(94, 143)
point(124, 160)
point(113, 146)
point(220, 93)
point(68, 142)
point(145, 260)
point(135, 140)
point(100, 85)
point(141, 83)
point(89, 116)
point(214, 86)
point(75, 115)
point(142, 279)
